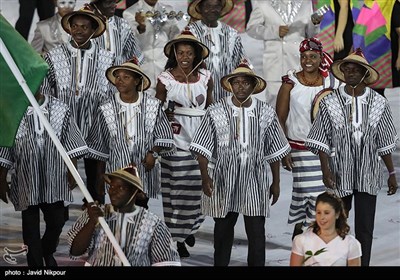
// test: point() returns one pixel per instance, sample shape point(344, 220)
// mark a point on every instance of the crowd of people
point(155, 110)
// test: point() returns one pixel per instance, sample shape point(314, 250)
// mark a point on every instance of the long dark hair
point(342, 228)
point(172, 62)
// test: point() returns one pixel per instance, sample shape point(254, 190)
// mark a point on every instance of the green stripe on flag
point(13, 101)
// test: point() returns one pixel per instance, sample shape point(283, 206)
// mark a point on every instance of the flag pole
point(15, 70)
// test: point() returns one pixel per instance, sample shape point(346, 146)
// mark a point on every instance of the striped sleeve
point(163, 134)
point(387, 136)
point(75, 229)
point(131, 47)
point(318, 138)
point(98, 138)
point(239, 52)
point(6, 158)
point(49, 82)
point(162, 250)
point(73, 141)
point(276, 145)
point(203, 140)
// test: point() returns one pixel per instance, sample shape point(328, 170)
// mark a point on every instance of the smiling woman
point(294, 103)
point(327, 242)
point(187, 85)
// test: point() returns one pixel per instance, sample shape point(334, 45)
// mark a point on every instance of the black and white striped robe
point(107, 140)
point(224, 61)
point(354, 147)
point(39, 174)
point(239, 156)
point(82, 95)
point(120, 40)
point(142, 236)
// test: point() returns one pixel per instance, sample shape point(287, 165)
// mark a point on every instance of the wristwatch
point(153, 153)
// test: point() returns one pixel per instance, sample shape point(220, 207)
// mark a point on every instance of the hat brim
point(317, 100)
point(186, 38)
point(129, 178)
point(110, 75)
point(194, 11)
point(371, 79)
point(66, 26)
point(259, 87)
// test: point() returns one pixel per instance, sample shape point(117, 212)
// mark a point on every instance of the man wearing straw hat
point(223, 41)
point(238, 138)
point(76, 75)
point(131, 127)
point(40, 180)
point(352, 132)
point(142, 235)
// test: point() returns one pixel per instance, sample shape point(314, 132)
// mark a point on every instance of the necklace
point(307, 82)
point(128, 122)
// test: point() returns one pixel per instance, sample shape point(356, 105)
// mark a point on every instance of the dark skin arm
point(4, 188)
point(206, 181)
point(149, 161)
point(101, 169)
point(161, 94)
point(282, 110)
point(327, 176)
point(274, 189)
point(71, 180)
point(82, 240)
point(210, 87)
point(392, 182)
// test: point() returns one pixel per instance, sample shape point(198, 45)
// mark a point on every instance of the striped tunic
point(143, 237)
point(226, 51)
point(239, 156)
point(354, 147)
point(120, 40)
point(109, 140)
point(39, 173)
point(78, 78)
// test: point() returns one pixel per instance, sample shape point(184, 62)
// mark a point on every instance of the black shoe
point(190, 240)
point(183, 252)
point(50, 261)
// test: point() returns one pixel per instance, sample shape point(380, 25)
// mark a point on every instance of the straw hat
point(243, 70)
point(130, 65)
point(185, 36)
point(128, 174)
point(358, 58)
point(194, 10)
point(86, 11)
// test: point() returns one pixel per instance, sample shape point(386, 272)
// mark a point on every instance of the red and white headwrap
point(313, 44)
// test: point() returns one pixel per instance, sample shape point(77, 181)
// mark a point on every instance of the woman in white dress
point(186, 86)
point(327, 242)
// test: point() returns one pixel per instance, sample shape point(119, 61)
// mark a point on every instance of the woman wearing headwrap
point(293, 108)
